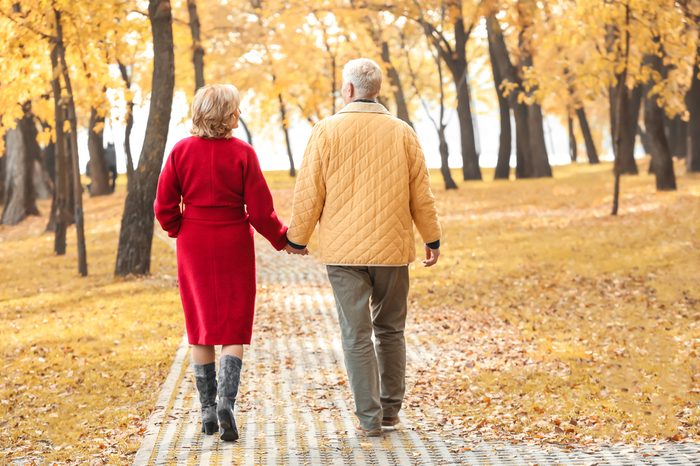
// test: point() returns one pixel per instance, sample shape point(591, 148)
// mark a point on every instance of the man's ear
point(351, 91)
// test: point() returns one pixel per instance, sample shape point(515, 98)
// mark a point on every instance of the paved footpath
point(294, 406)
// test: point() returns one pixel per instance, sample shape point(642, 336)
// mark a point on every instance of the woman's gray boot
point(229, 378)
point(205, 376)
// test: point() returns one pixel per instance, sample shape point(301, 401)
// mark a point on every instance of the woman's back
point(211, 172)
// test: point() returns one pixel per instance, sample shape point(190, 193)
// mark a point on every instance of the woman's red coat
point(224, 196)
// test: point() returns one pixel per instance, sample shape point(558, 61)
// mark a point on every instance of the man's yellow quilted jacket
point(364, 179)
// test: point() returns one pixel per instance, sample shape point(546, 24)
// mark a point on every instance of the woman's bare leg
point(203, 354)
point(232, 350)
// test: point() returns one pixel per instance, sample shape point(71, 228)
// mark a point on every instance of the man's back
point(365, 179)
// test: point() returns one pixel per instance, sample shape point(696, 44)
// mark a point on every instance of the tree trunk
point(587, 136)
point(136, 234)
point(456, 61)
point(504, 142)
point(538, 146)
point(470, 159)
point(618, 112)
point(661, 163)
point(21, 152)
point(396, 87)
point(42, 182)
point(692, 100)
point(3, 159)
point(654, 123)
point(444, 160)
point(573, 150)
point(285, 128)
point(630, 104)
point(523, 167)
point(646, 145)
point(677, 133)
point(18, 200)
point(129, 122)
point(49, 156)
point(73, 120)
point(334, 87)
point(97, 171)
point(197, 48)
point(38, 179)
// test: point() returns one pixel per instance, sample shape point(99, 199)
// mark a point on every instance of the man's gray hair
point(365, 76)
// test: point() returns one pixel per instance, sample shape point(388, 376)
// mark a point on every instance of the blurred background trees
point(622, 77)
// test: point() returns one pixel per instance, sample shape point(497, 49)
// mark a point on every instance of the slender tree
point(395, 83)
point(452, 47)
point(126, 77)
point(625, 104)
point(60, 207)
point(285, 129)
point(73, 141)
point(587, 136)
point(197, 47)
point(136, 233)
point(440, 124)
point(619, 113)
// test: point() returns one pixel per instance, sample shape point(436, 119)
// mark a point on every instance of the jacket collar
point(364, 107)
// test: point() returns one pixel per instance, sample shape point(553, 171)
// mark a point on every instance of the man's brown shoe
point(390, 421)
point(369, 432)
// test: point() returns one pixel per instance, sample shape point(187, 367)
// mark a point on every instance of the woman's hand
point(291, 250)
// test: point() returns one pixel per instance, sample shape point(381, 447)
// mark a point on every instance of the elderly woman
point(218, 181)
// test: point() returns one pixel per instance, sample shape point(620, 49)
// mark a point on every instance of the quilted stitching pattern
point(364, 179)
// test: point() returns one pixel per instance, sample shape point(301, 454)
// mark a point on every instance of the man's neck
point(367, 101)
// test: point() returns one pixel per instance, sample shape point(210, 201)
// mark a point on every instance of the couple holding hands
point(363, 179)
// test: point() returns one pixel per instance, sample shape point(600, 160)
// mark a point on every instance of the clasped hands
point(292, 250)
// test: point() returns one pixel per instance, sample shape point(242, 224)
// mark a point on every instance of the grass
point(596, 318)
point(553, 321)
point(85, 357)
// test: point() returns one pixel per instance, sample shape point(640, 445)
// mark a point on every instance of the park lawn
point(84, 358)
point(558, 322)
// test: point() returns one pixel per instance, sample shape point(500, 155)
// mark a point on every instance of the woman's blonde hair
point(213, 108)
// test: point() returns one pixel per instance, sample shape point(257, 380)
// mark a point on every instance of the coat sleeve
point(309, 190)
point(423, 209)
point(261, 210)
point(168, 198)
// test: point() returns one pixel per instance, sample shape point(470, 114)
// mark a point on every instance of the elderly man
point(365, 180)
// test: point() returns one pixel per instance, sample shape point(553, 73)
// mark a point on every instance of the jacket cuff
point(434, 244)
point(295, 245)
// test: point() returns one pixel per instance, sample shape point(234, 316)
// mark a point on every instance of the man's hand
point(431, 257)
point(292, 250)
